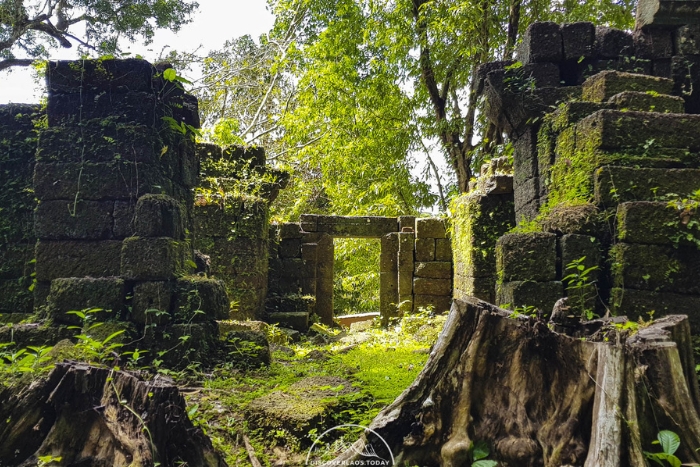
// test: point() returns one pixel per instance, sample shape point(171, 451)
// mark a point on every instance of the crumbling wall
point(604, 177)
point(415, 266)
point(113, 179)
point(231, 222)
point(479, 218)
point(18, 136)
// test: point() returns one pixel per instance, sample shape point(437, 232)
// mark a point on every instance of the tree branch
point(10, 62)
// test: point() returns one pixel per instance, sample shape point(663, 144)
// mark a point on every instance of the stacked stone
point(479, 218)
point(554, 61)
point(114, 184)
point(233, 229)
point(432, 269)
point(17, 148)
point(614, 155)
point(301, 265)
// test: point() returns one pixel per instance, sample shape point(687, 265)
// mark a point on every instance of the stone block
point(648, 222)
point(309, 254)
point(578, 39)
point(100, 141)
point(237, 219)
point(637, 304)
point(687, 39)
point(405, 263)
point(35, 334)
point(433, 269)
point(429, 286)
point(483, 288)
point(425, 249)
point(183, 344)
point(71, 220)
point(571, 113)
point(542, 42)
point(208, 152)
point(55, 259)
point(159, 216)
point(152, 302)
point(297, 320)
point(102, 181)
point(525, 156)
point(438, 303)
point(611, 43)
point(478, 222)
point(290, 230)
point(132, 107)
point(95, 76)
point(614, 185)
point(246, 303)
point(574, 247)
point(405, 304)
point(123, 214)
point(496, 185)
point(291, 248)
point(604, 85)
point(388, 260)
point(529, 211)
point(152, 259)
point(661, 268)
point(518, 294)
point(525, 193)
point(346, 226)
point(16, 260)
point(643, 102)
point(653, 43)
point(539, 75)
point(76, 294)
point(527, 257)
point(200, 299)
point(443, 250)
point(665, 13)
point(663, 68)
point(407, 222)
point(613, 129)
point(430, 228)
point(15, 296)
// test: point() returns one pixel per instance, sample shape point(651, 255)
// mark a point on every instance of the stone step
point(297, 320)
point(604, 85)
point(614, 185)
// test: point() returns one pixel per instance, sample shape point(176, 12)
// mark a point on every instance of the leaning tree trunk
point(92, 416)
point(541, 398)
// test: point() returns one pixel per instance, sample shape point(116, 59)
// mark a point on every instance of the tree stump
point(542, 398)
point(92, 416)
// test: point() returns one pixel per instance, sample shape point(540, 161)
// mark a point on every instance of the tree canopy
point(345, 91)
point(30, 28)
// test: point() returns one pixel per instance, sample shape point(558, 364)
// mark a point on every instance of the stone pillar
point(325, 258)
point(432, 273)
point(389, 277)
point(405, 269)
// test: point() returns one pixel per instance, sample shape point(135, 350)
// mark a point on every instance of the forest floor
point(326, 380)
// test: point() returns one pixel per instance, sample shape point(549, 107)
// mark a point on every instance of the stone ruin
point(108, 203)
point(415, 266)
point(605, 131)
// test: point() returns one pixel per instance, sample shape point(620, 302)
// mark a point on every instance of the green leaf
point(170, 74)
point(112, 336)
point(481, 450)
point(485, 463)
point(669, 441)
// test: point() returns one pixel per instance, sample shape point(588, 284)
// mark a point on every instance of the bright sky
point(215, 22)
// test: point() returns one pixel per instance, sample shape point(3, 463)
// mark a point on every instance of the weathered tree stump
point(93, 416)
point(541, 398)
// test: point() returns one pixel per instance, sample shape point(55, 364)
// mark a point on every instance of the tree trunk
point(542, 398)
point(100, 417)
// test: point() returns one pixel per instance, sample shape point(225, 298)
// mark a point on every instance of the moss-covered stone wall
point(19, 125)
point(606, 181)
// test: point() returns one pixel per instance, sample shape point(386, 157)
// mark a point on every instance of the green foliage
point(478, 452)
point(34, 28)
point(687, 228)
point(96, 349)
point(580, 287)
point(356, 276)
point(670, 442)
